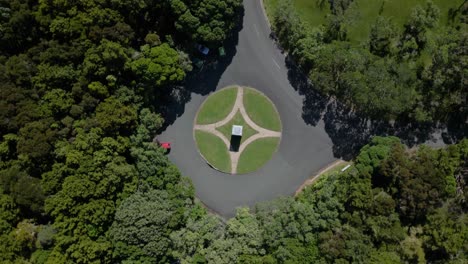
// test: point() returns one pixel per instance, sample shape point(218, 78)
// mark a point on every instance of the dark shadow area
point(235, 143)
point(349, 130)
point(202, 80)
point(314, 103)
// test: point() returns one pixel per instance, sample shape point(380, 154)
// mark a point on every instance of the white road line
point(256, 30)
point(277, 65)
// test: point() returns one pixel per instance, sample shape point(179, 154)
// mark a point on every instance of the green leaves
point(142, 221)
point(113, 116)
point(382, 37)
point(158, 65)
point(107, 58)
point(8, 212)
point(206, 21)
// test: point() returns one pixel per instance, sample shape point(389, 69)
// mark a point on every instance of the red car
point(166, 146)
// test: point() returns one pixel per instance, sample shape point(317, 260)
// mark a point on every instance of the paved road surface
point(303, 150)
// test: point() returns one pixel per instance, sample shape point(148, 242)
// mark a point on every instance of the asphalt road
point(303, 150)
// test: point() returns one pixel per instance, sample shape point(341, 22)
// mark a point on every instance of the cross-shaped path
point(238, 106)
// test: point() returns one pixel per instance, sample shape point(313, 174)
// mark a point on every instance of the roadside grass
point(307, 9)
point(270, 7)
point(365, 12)
point(362, 14)
point(217, 106)
point(213, 150)
point(261, 110)
point(257, 154)
point(247, 131)
point(317, 181)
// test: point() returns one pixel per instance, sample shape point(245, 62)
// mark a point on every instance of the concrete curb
point(317, 175)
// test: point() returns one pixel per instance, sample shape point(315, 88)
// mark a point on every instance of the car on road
point(202, 49)
point(165, 145)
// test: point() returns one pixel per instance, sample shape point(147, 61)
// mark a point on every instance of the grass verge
point(321, 176)
point(261, 110)
point(217, 106)
point(213, 150)
point(257, 154)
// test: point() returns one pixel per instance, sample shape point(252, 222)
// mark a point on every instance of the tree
point(445, 234)
point(383, 89)
point(382, 37)
point(331, 63)
point(53, 78)
point(420, 20)
point(158, 65)
point(57, 102)
point(8, 211)
point(287, 25)
point(36, 140)
point(142, 225)
point(443, 79)
point(345, 243)
point(412, 247)
point(198, 234)
point(148, 126)
point(115, 117)
point(207, 21)
point(109, 58)
point(19, 29)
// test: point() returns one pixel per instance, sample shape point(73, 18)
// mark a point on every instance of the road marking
point(256, 30)
point(277, 65)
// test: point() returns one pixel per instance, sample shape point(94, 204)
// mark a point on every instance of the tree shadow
point(350, 130)
point(314, 103)
point(203, 80)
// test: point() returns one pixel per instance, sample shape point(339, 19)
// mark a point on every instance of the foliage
point(141, 227)
point(82, 182)
point(77, 124)
point(158, 65)
point(388, 76)
point(207, 21)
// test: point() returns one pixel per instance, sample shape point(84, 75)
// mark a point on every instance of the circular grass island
point(237, 130)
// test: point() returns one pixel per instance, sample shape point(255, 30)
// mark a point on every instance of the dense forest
point(413, 72)
point(82, 84)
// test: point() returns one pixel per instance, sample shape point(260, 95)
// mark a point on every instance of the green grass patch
point(217, 106)
point(257, 154)
point(213, 150)
point(261, 110)
point(310, 11)
point(362, 13)
point(247, 131)
point(270, 7)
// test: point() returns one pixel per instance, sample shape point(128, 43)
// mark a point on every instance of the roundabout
point(237, 130)
point(303, 149)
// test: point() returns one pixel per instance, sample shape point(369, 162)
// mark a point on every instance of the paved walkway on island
point(238, 106)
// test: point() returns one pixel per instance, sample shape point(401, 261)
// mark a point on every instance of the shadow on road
point(200, 81)
point(350, 130)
